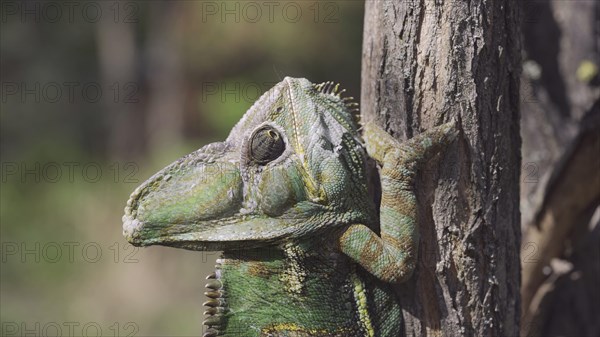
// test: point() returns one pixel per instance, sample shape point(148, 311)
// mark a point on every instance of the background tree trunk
point(425, 63)
point(560, 185)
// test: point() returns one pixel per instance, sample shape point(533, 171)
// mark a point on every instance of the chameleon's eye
point(266, 145)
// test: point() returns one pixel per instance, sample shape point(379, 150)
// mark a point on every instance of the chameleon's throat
point(277, 291)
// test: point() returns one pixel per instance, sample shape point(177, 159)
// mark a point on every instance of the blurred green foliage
point(173, 75)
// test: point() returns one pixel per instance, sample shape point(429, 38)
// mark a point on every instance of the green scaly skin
point(285, 197)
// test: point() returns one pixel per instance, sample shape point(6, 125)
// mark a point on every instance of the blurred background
point(99, 95)
point(96, 96)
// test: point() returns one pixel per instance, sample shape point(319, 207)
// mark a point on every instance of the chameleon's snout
point(183, 202)
point(131, 225)
point(130, 228)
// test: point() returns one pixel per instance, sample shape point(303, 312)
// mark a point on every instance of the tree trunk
point(425, 63)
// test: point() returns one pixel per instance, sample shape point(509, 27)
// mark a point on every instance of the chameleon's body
point(285, 197)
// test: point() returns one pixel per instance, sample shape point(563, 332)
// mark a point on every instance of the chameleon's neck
point(306, 290)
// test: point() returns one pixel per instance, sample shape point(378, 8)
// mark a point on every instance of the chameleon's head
point(292, 167)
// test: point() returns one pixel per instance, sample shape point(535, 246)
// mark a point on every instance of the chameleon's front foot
point(391, 257)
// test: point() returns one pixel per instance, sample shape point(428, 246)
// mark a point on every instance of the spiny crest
point(332, 90)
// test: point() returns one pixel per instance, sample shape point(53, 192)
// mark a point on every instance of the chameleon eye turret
point(266, 144)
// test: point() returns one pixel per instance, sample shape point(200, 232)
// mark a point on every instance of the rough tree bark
point(425, 63)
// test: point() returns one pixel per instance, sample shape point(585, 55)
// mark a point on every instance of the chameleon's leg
point(392, 256)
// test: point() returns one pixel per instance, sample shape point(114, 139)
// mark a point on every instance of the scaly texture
point(285, 197)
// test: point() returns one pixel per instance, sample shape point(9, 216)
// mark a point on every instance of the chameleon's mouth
point(197, 203)
point(130, 229)
point(131, 225)
point(187, 201)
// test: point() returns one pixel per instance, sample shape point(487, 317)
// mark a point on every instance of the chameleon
point(306, 251)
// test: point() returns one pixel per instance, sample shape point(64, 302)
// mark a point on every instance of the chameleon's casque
point(285, 197)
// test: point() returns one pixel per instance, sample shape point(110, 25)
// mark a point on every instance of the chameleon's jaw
point(197, 203)
point(187, 203)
